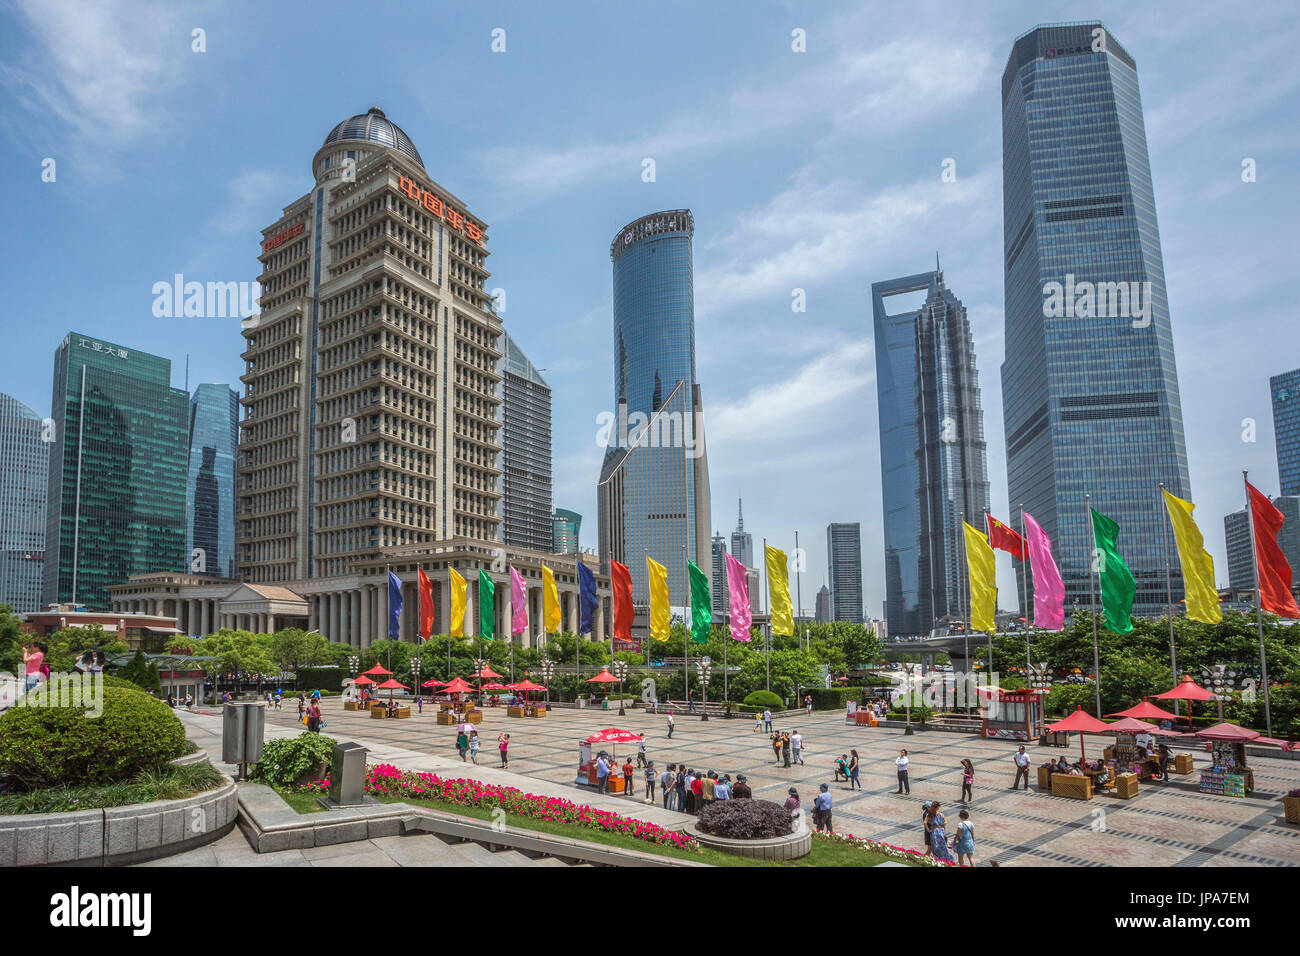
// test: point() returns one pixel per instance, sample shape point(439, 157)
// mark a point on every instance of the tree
point(292, 648)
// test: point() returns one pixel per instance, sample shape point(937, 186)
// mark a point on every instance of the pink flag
point(1049, 592)
point(518, 603)
point(738, 586)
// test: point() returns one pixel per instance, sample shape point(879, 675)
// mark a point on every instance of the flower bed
point(902, 854)
point(385, 780)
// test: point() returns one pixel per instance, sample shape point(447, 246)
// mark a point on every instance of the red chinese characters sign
point(435, 206)
point(280, 238)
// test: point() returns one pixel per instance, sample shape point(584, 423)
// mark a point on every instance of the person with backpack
point(964, 845)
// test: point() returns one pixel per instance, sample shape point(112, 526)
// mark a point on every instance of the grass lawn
point(302, 802)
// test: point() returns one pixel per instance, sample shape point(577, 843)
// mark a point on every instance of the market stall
point(526, 707)
point(587, 762)
point(1010, 714)
point(1079, 787)
point(1229, 774)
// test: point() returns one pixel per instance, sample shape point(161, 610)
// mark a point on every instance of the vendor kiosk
point(1229, 776)
point(1010, 714)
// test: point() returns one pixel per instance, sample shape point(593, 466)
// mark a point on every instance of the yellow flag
point(657, 575)
point(983, 580)
point(457, 603)
point(1198, 566)
point(550, 601)
point(778, 591)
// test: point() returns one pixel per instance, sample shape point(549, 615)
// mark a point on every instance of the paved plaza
point(1165, 825)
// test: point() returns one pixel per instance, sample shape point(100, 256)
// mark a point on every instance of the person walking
point(640, 753)
point(474, 745)
point(796, 747)
point(503, 744)
point(785, 748)
point(313, 716)
point(650, 782)
point(671, 723)
point(964, 845)
point(854, 782)
point(767, 720)
point(1022, 768)
point(902, 763)
point(822, 809)
point(602, 773)
point(690, 701)
point(967, 779)
point(462, 744)
point(807, 704)
point(419, 706)
point(758, 722)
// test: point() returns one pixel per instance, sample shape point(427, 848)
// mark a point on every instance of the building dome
point(374, 127)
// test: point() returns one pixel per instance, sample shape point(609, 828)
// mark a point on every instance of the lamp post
point(1220, 679)
point(620, 671)
point(415, 674)
point(548, 671)
point(908, 668)
point(705, 669)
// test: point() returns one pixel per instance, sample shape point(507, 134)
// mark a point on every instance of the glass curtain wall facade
point(526, 452)
point(844, 568)
point(1089, 383)
point(718, 593)
point(933, 456)
point(117, 471)
point(210, 488)
point(566, 528)
point(1285, 389)
point(24, 481)
point(661, 508)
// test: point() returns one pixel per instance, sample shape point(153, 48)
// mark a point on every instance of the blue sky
point(816, 170)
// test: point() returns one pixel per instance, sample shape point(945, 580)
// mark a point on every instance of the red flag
point(1004, 538)
point(620, 581)
point(426, 605)
point(1270, 563)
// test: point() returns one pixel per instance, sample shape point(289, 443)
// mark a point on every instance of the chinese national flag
point(426, 606)
point(1271, 564)
point(1004, 539)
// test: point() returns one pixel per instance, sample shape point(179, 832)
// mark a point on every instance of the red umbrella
point(615, 736)
point(378, 671)
point(1132, 725)
point(432, 683)
point(391, 685)
point(363, 679)
point(604, 677)
point(495, 686)
point(1080, 723)
point(487, 672)
point(456, 686)
point(1226, 731)
point(1187, 689)
point(526, 685)
point(1143, 710)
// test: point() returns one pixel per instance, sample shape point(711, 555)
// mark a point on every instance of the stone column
point(598, 625)
point(363, 616)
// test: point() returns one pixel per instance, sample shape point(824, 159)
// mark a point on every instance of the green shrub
point(141, 673)
point(835, 698)
point(286, 759)
point(764, 698)
point(63, 746)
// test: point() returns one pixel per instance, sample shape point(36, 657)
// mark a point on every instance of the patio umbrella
point(391, 685)
point(604, 677)
point(1081, 723)
point(1131, 725)
point(378, 671)
point(1227, 731)
point(1187, 689)
point(1144, 710)
point(363, 679)
point(487, 672)
point(432, 683)
point(615, 736)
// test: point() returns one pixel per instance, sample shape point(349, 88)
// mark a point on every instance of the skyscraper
point(1089, 384)
point(116, 498)
point(1236, 532)
point(24, 485)
point(1285, 389)
point(844, 569)
point(566, 527)
point(653, 492)
point(823, 612)
point(526, 458)
point(933, 457)
point(742, 542)
point(718, 592)
point(210, 488)
point(373, 370)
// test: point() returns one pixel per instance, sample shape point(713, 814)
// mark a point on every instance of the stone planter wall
point(790, 847)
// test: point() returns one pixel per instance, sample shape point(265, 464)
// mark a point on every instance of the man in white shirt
point(902, 763)
point(796, 745)
point(767, 721)
point(671, 723)
point(1022, 768)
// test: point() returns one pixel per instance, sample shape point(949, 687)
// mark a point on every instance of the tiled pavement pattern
point(1165, 825)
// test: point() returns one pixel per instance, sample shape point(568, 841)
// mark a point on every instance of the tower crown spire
point(740, 514)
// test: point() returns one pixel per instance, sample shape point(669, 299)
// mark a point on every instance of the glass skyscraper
point(653, 490)
point(1089, 385)
point(116, 500)
point(566, 528)
point(210, 485)
point(933, 457)
point(1285, 389)
point(24, 479)
point(844, 568)
point(526, 456)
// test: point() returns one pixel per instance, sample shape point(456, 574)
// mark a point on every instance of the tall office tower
point(24, 484)
point(653, 492)
point(1236, 532)
point(823, 612)
point(718, 591)
point(933, 457)
point(210, 489)
point(742, 542)
point(372, 371)
point(1089, 385)
point(1285, 389)
point(526, 417)
point(844, 568)
point(116, 498)
point(566, 526)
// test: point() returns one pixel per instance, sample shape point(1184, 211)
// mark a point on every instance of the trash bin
point(604, 705)
point(242, 726)
point(348, 775)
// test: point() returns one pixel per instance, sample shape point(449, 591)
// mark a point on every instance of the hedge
point(320, 678)
point(765, 698)
point(63, 746)
point(834, 698)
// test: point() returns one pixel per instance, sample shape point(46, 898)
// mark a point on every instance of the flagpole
point(961, 600)
point(767, 613)
point(1169, 595)
point(798, 581)
point(1259, 609)
point(686, 639)
point(1092, 594)
point(1024, 592)
point(388, 625)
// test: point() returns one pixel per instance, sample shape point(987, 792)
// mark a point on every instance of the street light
point(548, 671)
point(415, 674)
point(1220, 679)
point(705, 669)
point(908, 668)
point(620, 671)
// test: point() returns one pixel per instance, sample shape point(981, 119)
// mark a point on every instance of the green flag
point(487, 605)
point(1117, 587)
point(701, 605)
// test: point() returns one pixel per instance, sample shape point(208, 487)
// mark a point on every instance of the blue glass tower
point(24, 481)
point(1089, 385)
point(653, 489)
point(1285, 389)
point(210, 487)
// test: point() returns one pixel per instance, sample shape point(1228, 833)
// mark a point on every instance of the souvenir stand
point(1229, 775)
point(1010, 714)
